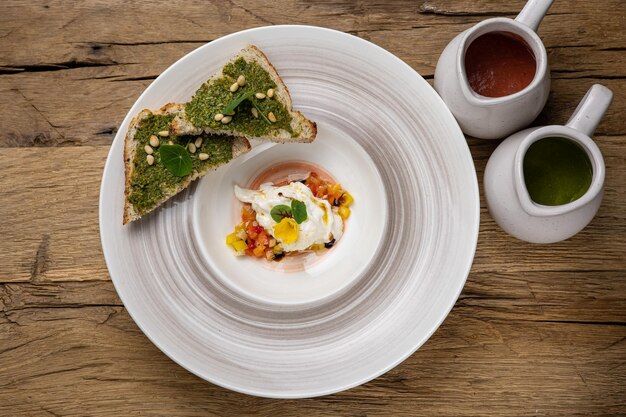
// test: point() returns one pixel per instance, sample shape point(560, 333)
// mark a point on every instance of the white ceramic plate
point(351, 314)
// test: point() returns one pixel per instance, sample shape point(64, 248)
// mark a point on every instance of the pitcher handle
point(533, 12)
point(590, 110)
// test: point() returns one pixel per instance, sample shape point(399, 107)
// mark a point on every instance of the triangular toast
point(261, 115)
point(150, 185)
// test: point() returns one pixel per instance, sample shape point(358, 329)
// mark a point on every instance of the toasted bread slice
point(148, 186)
point(252, 117)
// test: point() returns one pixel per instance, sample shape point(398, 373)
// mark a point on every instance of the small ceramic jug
point(487, 117)
point(507, 196)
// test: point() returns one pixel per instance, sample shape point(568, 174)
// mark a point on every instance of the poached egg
point(321, 225)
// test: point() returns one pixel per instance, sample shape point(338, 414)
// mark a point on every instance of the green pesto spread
point(212, 98)
point(149, 182)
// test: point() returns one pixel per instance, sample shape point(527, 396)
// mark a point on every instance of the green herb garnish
point(279, 212)
point(237, 101)
point(176, 159)
point(298, 208)
point(260, 112)
point(297, 211)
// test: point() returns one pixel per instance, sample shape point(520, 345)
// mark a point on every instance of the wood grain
point(51, 219)
point(538, 329)
point(512, 350)
point(92, 71)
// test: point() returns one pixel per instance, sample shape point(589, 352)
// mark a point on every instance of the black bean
point(329, 244)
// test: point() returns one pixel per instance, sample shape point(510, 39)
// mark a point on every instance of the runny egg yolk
point(286, 231)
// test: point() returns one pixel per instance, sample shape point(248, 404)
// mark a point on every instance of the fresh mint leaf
point(279, 212)
point(176, 159)
point(298, 208)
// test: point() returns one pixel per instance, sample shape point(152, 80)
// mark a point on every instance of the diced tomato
point(313, 182)
point(263, 239)
point(252, 231)
point(247, 214)
point(251, 244)
point(322, 190)
point(259, 251)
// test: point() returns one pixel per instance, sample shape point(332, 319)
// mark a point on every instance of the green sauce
point(212, 98)
point(556, 171)
point(149, 181)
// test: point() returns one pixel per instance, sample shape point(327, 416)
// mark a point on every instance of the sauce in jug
point(499, 64)
point(556, 171)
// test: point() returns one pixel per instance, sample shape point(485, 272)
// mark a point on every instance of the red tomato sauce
point(499, 64)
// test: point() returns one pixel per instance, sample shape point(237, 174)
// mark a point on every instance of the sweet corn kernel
point(239, 245)
point(346, 200)
point(334, 189)
point(344, 212)
point(231, 238)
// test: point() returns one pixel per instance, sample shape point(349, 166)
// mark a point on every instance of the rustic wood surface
point(538, 329)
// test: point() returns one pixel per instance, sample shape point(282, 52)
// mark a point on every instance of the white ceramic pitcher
point(507, 197)
point(487, 117)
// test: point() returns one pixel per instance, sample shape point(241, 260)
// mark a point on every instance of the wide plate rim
point(312, 393)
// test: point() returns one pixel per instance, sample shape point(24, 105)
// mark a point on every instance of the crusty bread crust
point(308, 129)
point(240, 146)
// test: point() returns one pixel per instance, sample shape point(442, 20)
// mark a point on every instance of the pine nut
point(203, 156)
point(169, 142)
point(154, 141)
point(218, 117)
point(270, 93)
point(234, 87)
point(271, 116)
point(260, 96)
point(164, 133)
point(241, 80)
point(231, 113)
point(150, 159)
point(198, 142)
point(148, 149)
point(192, 148)
point(255, 112)
point(226, 119)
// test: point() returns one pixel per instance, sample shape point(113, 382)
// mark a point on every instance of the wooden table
point(538, 330)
